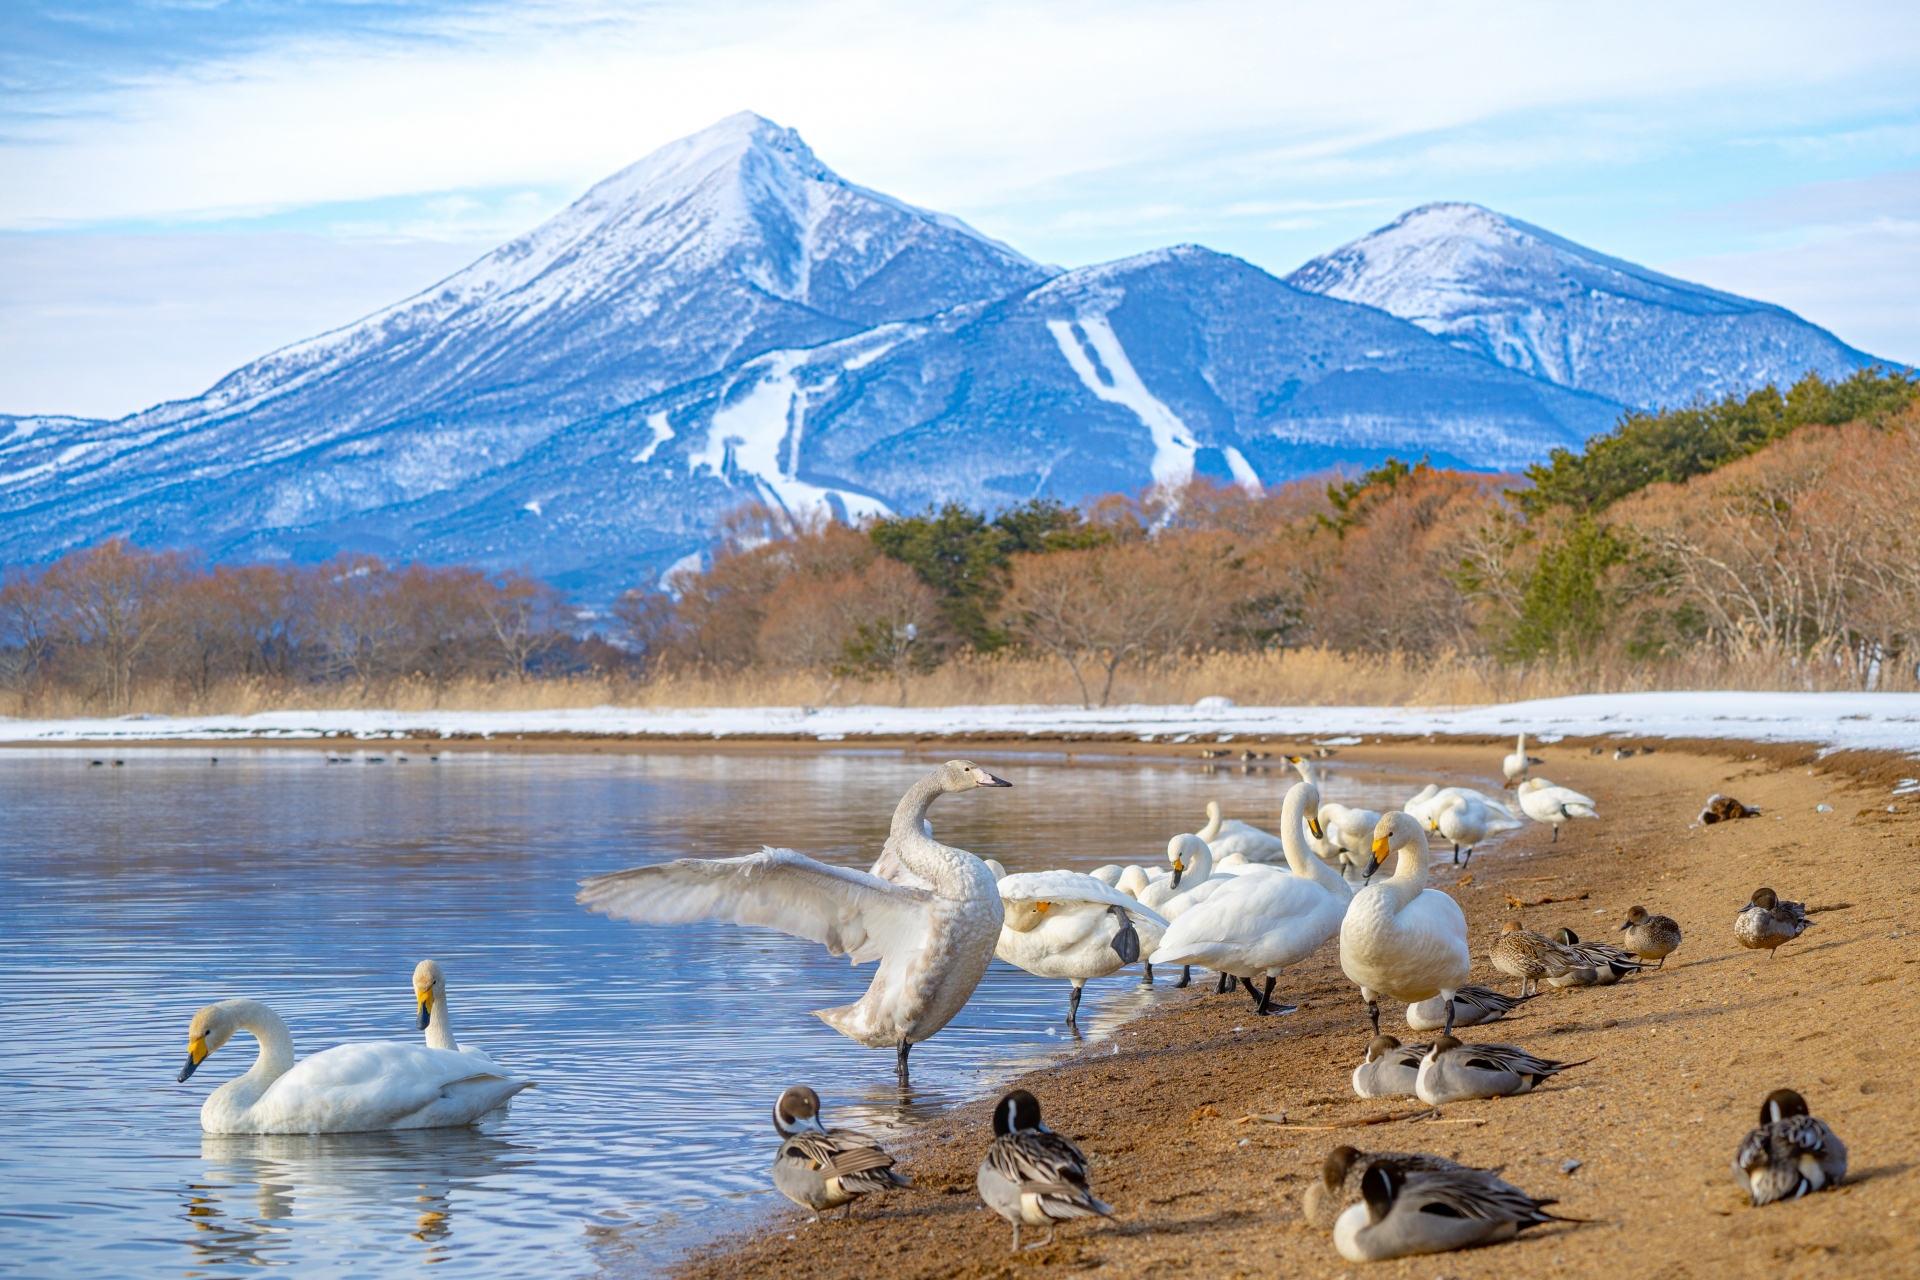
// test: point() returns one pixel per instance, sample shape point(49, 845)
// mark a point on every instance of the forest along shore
point(1639, 1140)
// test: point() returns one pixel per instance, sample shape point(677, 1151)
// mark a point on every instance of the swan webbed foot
point(1186, 976)
point(1266, 998)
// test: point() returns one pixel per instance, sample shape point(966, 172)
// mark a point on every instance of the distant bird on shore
point(1389, 1070)
point(820, 1168)
point(1767, 922)
point(1521, 953)
point(1721, 808)
point(1399, 937)
point(1517, 762)
point(1065, 924)
point(1405, 1211)
point(1338, 1185)
point(1466, 821)
point(933, 944)
point(1473, 1006)
point(1790, 1154)
point(1456, 1072)
point(1033, 1176)
point(1555, 806)
point(1650, 937)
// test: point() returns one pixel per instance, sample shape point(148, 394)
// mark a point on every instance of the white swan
point(1516, 765)
point(1192, 862)
point(1555, 806)
point(1466, 821)
point(1433, 794)
point(933, 944)
point(1230, 835)
point(1063, 924)
point(1401, 938)
point(351, 1088)
point(1261, 924)
point(1350, 831)
point(430, 991)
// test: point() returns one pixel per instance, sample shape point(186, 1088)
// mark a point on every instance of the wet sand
point(1682, 1058)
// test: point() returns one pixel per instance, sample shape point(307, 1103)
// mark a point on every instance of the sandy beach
point(1204, 1123)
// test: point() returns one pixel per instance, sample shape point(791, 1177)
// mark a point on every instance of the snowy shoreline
point(1834, 721)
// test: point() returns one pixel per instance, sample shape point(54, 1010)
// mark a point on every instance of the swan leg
point(1186, 975)
point(1556, 834)
point(1251, 993)
point(1073, 1008)
point(901, 1064)
point(1223, 986)
point(1266, 1000)
point(1449, 1030)
point(1148, 980)
point(1373, 1009)
point(1469, 861)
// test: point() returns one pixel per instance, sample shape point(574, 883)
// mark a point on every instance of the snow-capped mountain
point(713, 249)
point(1549, 307)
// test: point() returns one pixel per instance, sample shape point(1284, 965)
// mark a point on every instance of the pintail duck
point(1768, 921)
point(1455, 1072)
point(1605, 965)
point(1389, 1070)
point(1650, 937)
point(1521, 953)
point(1790, 1154)
point(1032, 1176)
point(1338, 1185)
point(1473, 1006)
point(821, 1169)
point(1406, 1211)
point(1721, 808)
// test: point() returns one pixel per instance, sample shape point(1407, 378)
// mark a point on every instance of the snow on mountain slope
point(1549, 307)
point(713, 249)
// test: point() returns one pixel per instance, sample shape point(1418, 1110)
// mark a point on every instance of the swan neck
point(1409, 879)
point(1215, 816)
point(940, 866)
point(913, 806)
point(276, 1042)
point(1300, 855)
point(439, 1025)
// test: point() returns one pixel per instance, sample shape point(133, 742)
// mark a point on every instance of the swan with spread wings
point(933, 943)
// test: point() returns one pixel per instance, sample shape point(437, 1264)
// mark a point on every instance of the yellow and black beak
point(1041, 907)
point(1313, 825)
point(196, 1054)
point(1178, 868)
point(1380, 851)
point(426, 1007)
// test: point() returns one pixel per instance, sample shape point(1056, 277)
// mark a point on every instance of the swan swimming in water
point(430, 990)
point(933, 944)
point(351, 1088)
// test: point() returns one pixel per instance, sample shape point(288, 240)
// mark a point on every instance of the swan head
point(1395, 830)
point(1025, 917)
point(1183, 851)
point(1378, 1047)
point(994, 865)
point(965, 775)
point(1531, 784)
point(797, 1111)
point(1017, 1112)
point(428, 978)
point(212, 1027)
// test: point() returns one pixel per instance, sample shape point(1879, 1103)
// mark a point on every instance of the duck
point(1064, 924)
point(1400, 938)
point(1405, 1211)
point(1456, 1072)
point(1226, 835)
point(1605, 965)
point(1032, 1176)
point(1473, 1006)
point(1790, 1154)
point(1769, 921)
point(1466, 821)
point(1516, 763)
point(1263, 923)
point(1555, 806)
point(1338, 1185)
point(1650, 937)
point(360, 1087)
point(933, 944)
point(823, 1169)
point(1389, 1070)
point(1521, 953)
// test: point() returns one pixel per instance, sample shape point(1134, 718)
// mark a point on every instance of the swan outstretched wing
point(849, 912)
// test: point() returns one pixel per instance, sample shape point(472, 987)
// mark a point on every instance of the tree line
point(1770, 530)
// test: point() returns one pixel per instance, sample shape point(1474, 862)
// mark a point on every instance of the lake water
point(133, 895)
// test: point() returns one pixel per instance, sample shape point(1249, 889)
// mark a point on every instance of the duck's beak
point(196, 1054)
point(1624, 927)
point(426, 1007)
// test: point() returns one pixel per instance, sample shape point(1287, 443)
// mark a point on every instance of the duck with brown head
point(823, 1169)
point(933, 943)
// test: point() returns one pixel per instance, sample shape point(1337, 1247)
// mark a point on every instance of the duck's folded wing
point(1468, 1193)
point(849, 912)
point(1071, 886)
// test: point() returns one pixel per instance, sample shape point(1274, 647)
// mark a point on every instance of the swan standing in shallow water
point(1063, 924)
point(351, 1088)
point(1401, 938)
point(933, 944)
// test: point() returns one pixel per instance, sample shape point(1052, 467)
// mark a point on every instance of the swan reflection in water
point(256, 1190)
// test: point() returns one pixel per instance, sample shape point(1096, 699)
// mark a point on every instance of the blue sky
point(191, 183)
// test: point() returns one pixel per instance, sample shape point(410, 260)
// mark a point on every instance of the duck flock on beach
point(1233, 899)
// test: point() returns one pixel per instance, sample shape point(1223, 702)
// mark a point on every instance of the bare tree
point(26, 624)
point(109, 604)
point(527, 618)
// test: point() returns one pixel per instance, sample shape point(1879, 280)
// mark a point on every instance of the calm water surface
point(131, 896)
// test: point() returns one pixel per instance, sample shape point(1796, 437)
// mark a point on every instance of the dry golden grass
point(1290, 677)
